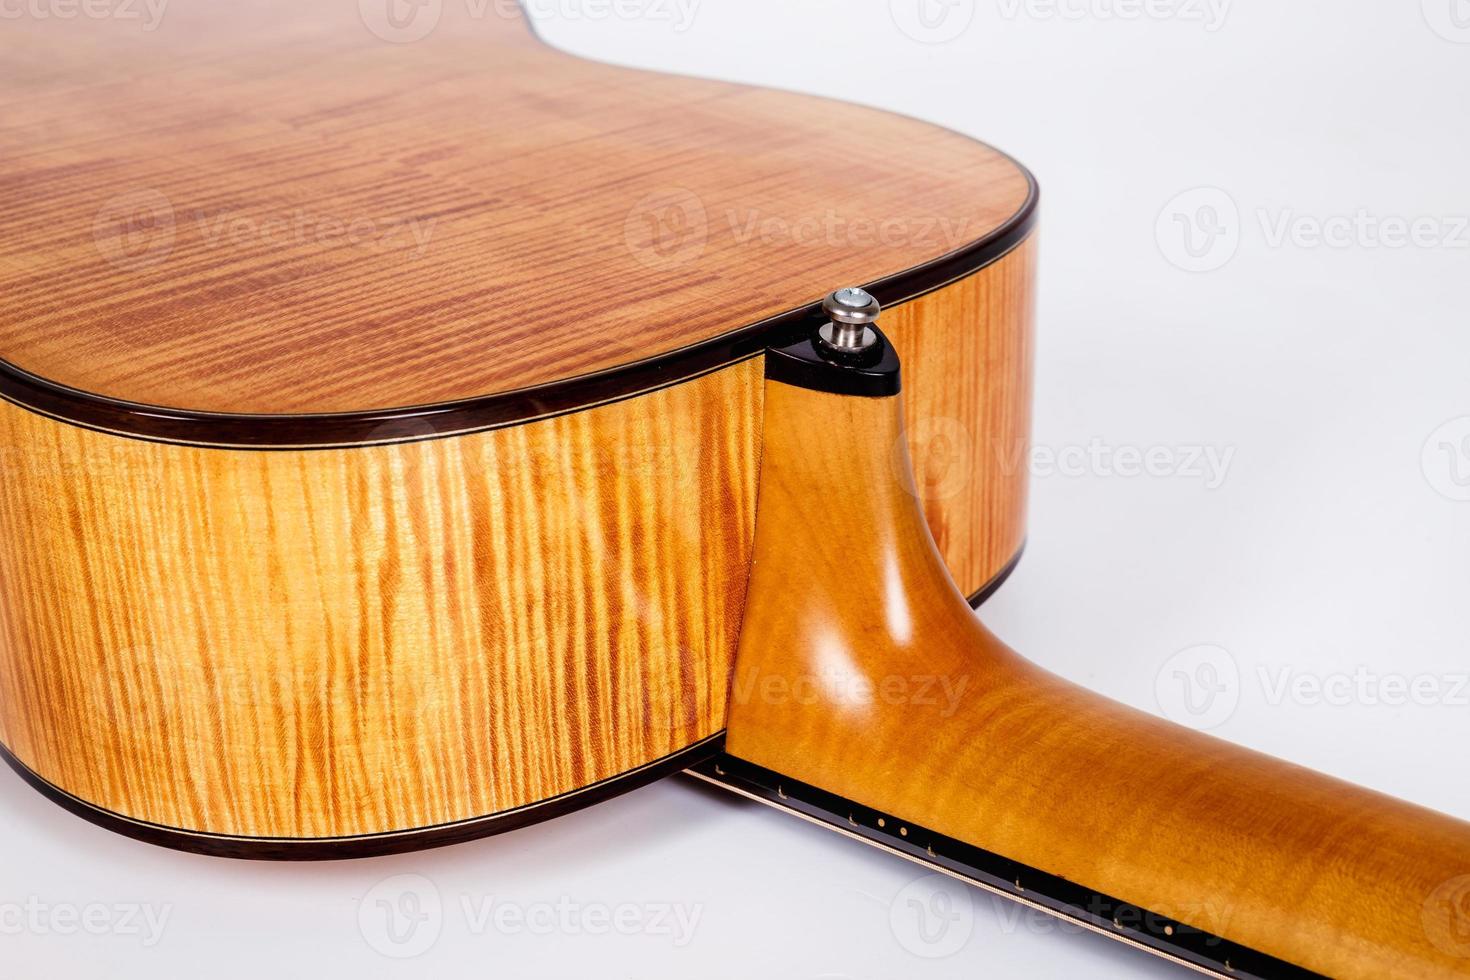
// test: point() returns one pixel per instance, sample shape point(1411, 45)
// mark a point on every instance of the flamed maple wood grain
point(967, 358)
point(324, 643)
point(842, 600)
point(265, 208)
point(347, 642)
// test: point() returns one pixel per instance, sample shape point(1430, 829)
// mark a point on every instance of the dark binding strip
point(424, 422)
point(989, 589)
point(376, 845)
point(1069, 900)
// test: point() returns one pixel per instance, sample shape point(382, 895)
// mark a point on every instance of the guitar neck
point(868, 698)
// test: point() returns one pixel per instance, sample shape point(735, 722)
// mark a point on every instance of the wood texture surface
point(322, 644)
point(862, 671)
point(355, 641)
point(268, 208)
point(967, 354)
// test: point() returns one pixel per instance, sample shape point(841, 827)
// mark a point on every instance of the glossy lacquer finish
point(379, 415)
point(862, 671)
point(333, 652)
point(350, 645)
point(290, 207)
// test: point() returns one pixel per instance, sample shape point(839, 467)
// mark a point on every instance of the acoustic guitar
point(411, 432)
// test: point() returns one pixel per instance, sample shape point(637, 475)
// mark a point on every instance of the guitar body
point(410, 432)
point(349, 471)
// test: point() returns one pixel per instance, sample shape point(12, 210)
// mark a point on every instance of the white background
point(1333, 542)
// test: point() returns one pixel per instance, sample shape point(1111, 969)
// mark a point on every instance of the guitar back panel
point(383, 404)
